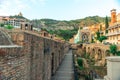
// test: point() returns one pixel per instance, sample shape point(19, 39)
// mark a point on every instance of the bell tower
point(113, 16)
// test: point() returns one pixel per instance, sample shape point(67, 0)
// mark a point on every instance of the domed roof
point(4, 38)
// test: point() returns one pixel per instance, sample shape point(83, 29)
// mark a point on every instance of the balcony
point(113, 33)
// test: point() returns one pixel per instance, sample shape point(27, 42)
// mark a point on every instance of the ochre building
point(114, 28)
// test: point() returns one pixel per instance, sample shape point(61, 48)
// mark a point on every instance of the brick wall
point(38, 59)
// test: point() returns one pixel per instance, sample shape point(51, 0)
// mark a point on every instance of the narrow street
point(65, 71)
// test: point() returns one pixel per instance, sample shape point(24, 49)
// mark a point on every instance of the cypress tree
point(106, 24)
point(100, 27)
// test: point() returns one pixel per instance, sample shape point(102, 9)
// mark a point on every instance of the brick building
point(114, 28)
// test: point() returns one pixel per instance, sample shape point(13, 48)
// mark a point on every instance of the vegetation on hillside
point(66, 29)
point(64, 34)
point(18, 17)
point(51, 24)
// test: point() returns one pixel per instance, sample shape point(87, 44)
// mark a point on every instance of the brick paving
point(65, 71)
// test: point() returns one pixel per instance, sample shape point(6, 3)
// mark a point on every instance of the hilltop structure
point(15, 21)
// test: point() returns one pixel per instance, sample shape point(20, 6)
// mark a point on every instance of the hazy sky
point(58, 9)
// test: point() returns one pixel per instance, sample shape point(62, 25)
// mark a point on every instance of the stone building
point(36, 57)
point(26, 26)
point(83, 35)
point(114, 28)
point(15, 21)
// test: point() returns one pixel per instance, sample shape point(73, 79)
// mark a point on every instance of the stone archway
point(59, 57)
point(92, 54)
point(84, 49)
point(52, 64)
point(88, 50)
point(85, 38)
point(107, 53)
point(99, 54)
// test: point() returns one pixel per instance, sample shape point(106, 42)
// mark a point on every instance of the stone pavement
point(66, 70)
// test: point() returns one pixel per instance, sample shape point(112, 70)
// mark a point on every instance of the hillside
point(51, 24)
point(19, 17)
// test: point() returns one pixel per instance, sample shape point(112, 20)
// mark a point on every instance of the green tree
point(9, 27)
point(113, 49)
point(106, 24)
point(100, 27)
point(101, 38)
point(98, 35)
point(118, 53)
point(80, 63)
point(1, 25)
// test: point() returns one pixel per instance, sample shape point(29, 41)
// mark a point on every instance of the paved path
point(65, 71)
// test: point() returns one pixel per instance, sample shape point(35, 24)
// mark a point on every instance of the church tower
point(20, 14)
point(113, 16)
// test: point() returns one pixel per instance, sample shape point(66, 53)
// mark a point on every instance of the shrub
point(118, 53)
point(9, 27)
point(80, 62)
point(102, 38)
point(113, 49)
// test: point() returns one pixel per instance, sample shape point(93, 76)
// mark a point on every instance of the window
point(116, 36)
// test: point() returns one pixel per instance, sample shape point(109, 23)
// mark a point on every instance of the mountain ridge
point(52, 24)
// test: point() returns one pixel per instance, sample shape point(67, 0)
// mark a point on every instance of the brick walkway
point(65, 71)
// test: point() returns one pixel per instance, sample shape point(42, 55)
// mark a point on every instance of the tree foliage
point(106, 24)
point(98, 35)
point(101, 38)
point(1, 25)
point(100, 27)
point(65, 34)
point(80, 62)
point(118, 53)
point(113, 49)
point(62, 24)
point(18, 17)
point(9, 27)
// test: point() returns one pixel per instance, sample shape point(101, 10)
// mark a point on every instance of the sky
point(58, 9)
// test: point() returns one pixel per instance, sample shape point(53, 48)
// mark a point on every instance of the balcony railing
point(114, 33)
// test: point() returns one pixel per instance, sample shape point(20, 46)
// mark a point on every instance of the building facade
point(83, 35)
point(114, 28)
point(14, 21)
